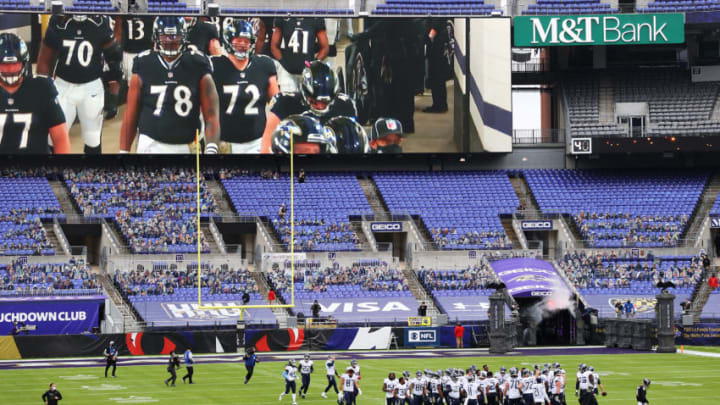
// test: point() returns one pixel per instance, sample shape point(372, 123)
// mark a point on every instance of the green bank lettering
point(620, 29)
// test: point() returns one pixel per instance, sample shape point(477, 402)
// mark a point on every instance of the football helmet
point(513, 372)
point(292, 362)
point(318, 86)
point(170, 35)
point(350, 137)
point(308, 136)
point(14, 58)
point(239, 28)
point(646, 381)
point(307, 356)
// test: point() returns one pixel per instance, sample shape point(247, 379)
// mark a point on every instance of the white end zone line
point(703, 354)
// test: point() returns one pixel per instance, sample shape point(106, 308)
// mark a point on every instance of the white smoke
point(559, 299)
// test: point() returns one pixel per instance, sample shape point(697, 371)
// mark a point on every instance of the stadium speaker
point(56, 7)
point(213, 10)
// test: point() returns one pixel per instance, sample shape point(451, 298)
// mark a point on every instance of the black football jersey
point(78, 46)
point(27, 115)
point(243, 97)
point(286, 104)
point(200, 34)
point(137, 34)
point(298, 41)
point(170, 103)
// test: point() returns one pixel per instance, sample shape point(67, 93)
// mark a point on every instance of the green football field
point(677, 379)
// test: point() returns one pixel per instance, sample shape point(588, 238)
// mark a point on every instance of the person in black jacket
point(51, 396)
point(173, 363)
point(641, 394)
point(315, 308)
point(436, 41)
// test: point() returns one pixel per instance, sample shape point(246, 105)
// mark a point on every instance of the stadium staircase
point(419, 292)
point(702, 210)
point(53, 238)
point(606, 106)
point(223, 202)
point(130, 318)
point(281, 314)
point(372, 194)
point(702, 292)
point(524, 194)
point(209, 237)
point(66, 201)
point(507, 223)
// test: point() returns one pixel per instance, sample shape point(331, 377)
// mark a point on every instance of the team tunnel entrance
point(543, 324)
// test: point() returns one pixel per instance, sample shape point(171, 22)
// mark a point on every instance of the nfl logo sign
point(22, 260)
point(472, 254)
point(179, 258)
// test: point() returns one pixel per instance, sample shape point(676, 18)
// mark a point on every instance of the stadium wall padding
point(128, 344)
point(295, 339)
point(8, 348)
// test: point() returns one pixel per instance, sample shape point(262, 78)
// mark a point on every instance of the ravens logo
point(529, 277)
point(641, 304)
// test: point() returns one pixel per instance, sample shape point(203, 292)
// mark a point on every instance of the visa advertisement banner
point(610, 29)
point(51, 315)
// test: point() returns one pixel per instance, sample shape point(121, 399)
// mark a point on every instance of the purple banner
point(183, 313)
point(700, 334)
point(644, 304)
point(528, 277)
point(51, 316)
point(375, 309)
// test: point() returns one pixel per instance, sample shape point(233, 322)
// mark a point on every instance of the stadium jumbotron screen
point(151, 85)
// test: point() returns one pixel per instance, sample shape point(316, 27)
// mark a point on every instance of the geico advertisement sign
point(617, 29)
point(386, 227)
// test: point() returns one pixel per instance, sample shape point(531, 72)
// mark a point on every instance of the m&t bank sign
point(613, 29)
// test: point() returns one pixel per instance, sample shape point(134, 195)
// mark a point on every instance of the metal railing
point(530, 67)
point(538, 136)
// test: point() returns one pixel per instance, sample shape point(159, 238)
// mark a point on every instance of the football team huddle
point(189, 82)
point(455, 386)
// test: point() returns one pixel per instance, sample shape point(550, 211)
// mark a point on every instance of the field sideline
point(675, 377)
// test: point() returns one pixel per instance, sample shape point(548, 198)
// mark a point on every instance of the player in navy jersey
point(307, 134)
point(168, 90)
point(319, 98)
point(245, 83)
point(203, 36)
point(134, 34)
point(294, 45)
point(29, 109)
point(81, 44)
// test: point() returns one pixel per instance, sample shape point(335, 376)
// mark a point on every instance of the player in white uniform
point(512, 388)
point(528, 381)
point(473, 390)
point(538, 392)
point(331, 374)
point(417, 388)
point(356, 373)
point(455, 391)
point(596, 379)
point(389, 386)
point(290, 376)
point(502, 378)
point(491, 389)
point(435, 388)
point(557, 388)
point(587, 385)
point(306, 368)
point(350, 386)
point(402, 392)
